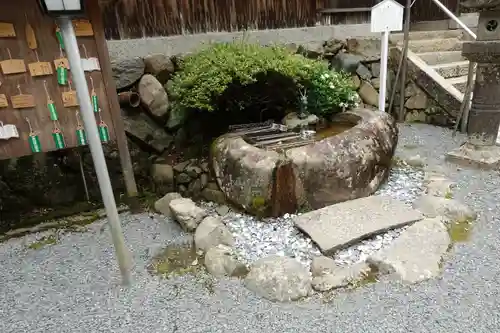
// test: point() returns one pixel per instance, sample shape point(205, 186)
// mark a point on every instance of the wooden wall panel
point(20, 12)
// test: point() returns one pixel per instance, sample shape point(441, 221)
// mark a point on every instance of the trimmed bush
point(247, 71)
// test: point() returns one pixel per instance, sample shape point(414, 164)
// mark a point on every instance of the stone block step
point(419, 35)
point(338, 226)
point(417, 254)
point(459, 82)
point(436, 58)
point(435, 45)
point(452, 69)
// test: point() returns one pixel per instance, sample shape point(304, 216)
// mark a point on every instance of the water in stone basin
point(256, 238)
point(331, 130)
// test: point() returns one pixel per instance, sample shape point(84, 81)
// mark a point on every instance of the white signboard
point(387, 16)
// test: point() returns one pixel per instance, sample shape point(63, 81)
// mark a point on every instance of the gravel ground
point(73, 285)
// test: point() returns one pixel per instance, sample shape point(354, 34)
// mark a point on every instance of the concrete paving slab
point(416, 255)
point(338, 226)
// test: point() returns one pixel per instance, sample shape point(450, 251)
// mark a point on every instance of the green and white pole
point(93, 138)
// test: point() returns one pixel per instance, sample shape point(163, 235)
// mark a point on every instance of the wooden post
point(95, 17)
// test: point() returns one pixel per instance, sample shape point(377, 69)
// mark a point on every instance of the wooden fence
point(147, 18)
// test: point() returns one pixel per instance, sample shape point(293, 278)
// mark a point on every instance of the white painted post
point(384, 56)
point(89, 122)
point(386, 16)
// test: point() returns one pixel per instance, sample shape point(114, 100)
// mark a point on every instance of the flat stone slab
point(468, 155)
point(338, 226)
point(416, 254)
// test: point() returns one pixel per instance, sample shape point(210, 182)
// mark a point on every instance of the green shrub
point(206, 75)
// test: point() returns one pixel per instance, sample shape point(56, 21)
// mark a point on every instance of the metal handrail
point(454, 18)
point(466, 102)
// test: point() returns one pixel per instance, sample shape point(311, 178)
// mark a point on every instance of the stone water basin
point(336, 167)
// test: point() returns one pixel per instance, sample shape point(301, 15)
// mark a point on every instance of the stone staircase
point(436, 62)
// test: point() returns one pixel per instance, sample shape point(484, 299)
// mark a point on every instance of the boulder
point(159, 65)
point(416, 254)
point(220, 261)
point(340, 277)
point(176, 118)
point(212, 232)
point(438, 185)
point(368, 94)
point(375, 83)
point(182, 178)
point(338, 168)
point(279, 278)
point(432, 206)
point(311, 50)
point(162, 173)
point(213, 195)
point(222, 210)
point(187, 213)
point(195, 188)
point(244, 173)
point(375, 69)
point(332, 47)
point(127, 71)
point(146, 132)
point(363, 72)
point(292, 120)
point(356, 82)
point(154, 96)
point(418, 101)
point(322, 265)
point(415, 161)
point(367, 48)
point(346, 62)
point(163, 205)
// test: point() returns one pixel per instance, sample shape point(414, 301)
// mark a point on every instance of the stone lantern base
point(481, 156)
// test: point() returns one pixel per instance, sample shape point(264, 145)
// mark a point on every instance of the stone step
point(419, 35)
point(452, 69)
point(435, 45)
point(459, 82)
point(338, 226)
point(435, 58)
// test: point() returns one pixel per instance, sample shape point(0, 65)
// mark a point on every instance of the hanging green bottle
point(58, 139)
point(95, 103)
point(60, 38)
point(52, 111)
point(34, 142)
point(62, 75)
point(103, 132)
point(81, 136)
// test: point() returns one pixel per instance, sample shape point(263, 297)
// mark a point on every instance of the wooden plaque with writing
point(69, 98)
point(83, 28)
point(61, 62)
point(23, 101)
point(13, 66)
point(3, 101)
point(40, 68)
point(7, 30)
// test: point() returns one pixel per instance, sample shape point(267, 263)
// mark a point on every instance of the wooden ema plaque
point(69, 98)
point(7, 30)
point(13, 66)
point(61, 62)
point(23, 101)
point(83, 28)
point(3, 101)
point(40, 68)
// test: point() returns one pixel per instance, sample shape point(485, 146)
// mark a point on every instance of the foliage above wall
point(258, 77)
